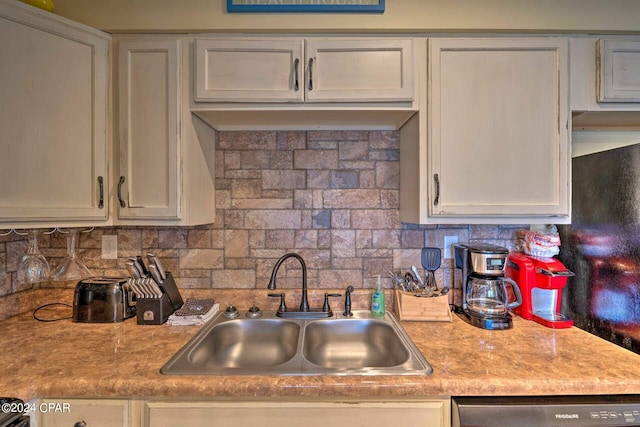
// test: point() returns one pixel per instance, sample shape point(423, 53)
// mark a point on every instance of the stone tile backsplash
point(331, 196)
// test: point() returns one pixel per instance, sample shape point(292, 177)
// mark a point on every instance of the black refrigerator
point(602, 246)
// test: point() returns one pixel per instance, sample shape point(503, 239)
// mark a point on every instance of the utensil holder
point(410, 307)
point(156, 311)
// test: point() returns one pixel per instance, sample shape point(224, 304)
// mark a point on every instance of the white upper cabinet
point(249, 70)
point(149, 118)
point(605, 82)
point(304, 70)
point(497, 140)
point(53, 119)
point(374, 70)
point(164, 154)
point(618, 70)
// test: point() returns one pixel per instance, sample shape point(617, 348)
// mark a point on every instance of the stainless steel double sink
point(269, 345)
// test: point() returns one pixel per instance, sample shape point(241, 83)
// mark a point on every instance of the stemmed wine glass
point(33, 266)
point(71, 268)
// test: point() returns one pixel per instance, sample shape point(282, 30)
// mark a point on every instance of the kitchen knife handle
point(310, 86)
point(122, 203)
point(153, 269)
point(436, 178)
point(133, 272)
point(154, 260)
point(296, 83)
point(101, 192)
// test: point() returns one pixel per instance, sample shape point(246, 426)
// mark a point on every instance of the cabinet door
point(53, 118)
point(149, 127)
point(498, 119)
point(249, 70)
point(618, 71)
point(94, 412)
point(432, 413)
point(373, 70)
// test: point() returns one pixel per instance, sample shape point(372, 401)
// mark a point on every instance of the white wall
point(400, 15)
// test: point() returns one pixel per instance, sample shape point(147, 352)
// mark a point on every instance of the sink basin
point(353, 343)
point(270, 345)
point(247, 343)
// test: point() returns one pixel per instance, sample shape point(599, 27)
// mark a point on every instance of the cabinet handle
point(310, 74)
point(101, 192)
point(120, 199)
point(436, 178)
point(296, 65)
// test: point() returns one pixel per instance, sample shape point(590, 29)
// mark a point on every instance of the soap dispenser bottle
point(377, 300)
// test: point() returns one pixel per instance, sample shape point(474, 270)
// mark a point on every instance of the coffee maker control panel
point(495, 263)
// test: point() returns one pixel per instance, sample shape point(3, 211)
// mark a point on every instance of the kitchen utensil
point(71, 268)
point(153, 269)
point(137, 266)
point(397, 280)
point(417, 275)
point(136, 285)
point(33, 266)
point(152, 287)
point(431, 258)
point(411, 283)
point(154, 260)
point(145, 288)
point(143, 268)
point(133, 287)
point(156, 289)
point(133, 272)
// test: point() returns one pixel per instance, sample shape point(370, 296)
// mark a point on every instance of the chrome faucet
point(304, 304)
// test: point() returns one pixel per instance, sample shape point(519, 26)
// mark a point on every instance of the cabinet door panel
point(359, 70)
point(93, 412)
point(498, 128)
point(249, 70)
point(53, 85)
point(148, 73)
point(267, 414)
point(619, 72)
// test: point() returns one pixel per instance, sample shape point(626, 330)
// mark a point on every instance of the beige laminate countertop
point(66, 359)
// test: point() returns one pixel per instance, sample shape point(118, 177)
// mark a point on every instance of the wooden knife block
point(410, 307)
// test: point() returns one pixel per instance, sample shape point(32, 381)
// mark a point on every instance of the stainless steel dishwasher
point(538, 411)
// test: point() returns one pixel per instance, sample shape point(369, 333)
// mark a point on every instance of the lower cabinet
point(418, 413)
point(428, 412)
point(75, 412)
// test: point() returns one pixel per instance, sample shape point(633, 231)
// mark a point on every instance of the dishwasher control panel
point(542, 411)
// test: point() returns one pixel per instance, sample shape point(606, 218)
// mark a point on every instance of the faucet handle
point(325, 306)
point(283, 306)
point(347, 302)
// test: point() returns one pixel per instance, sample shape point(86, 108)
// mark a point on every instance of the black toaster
point(103, 300)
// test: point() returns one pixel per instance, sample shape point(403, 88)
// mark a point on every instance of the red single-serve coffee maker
point(541, 281)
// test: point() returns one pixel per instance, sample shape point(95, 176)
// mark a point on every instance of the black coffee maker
point(486, 293)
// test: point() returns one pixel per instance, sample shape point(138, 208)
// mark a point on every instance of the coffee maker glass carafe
point(488, 296)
